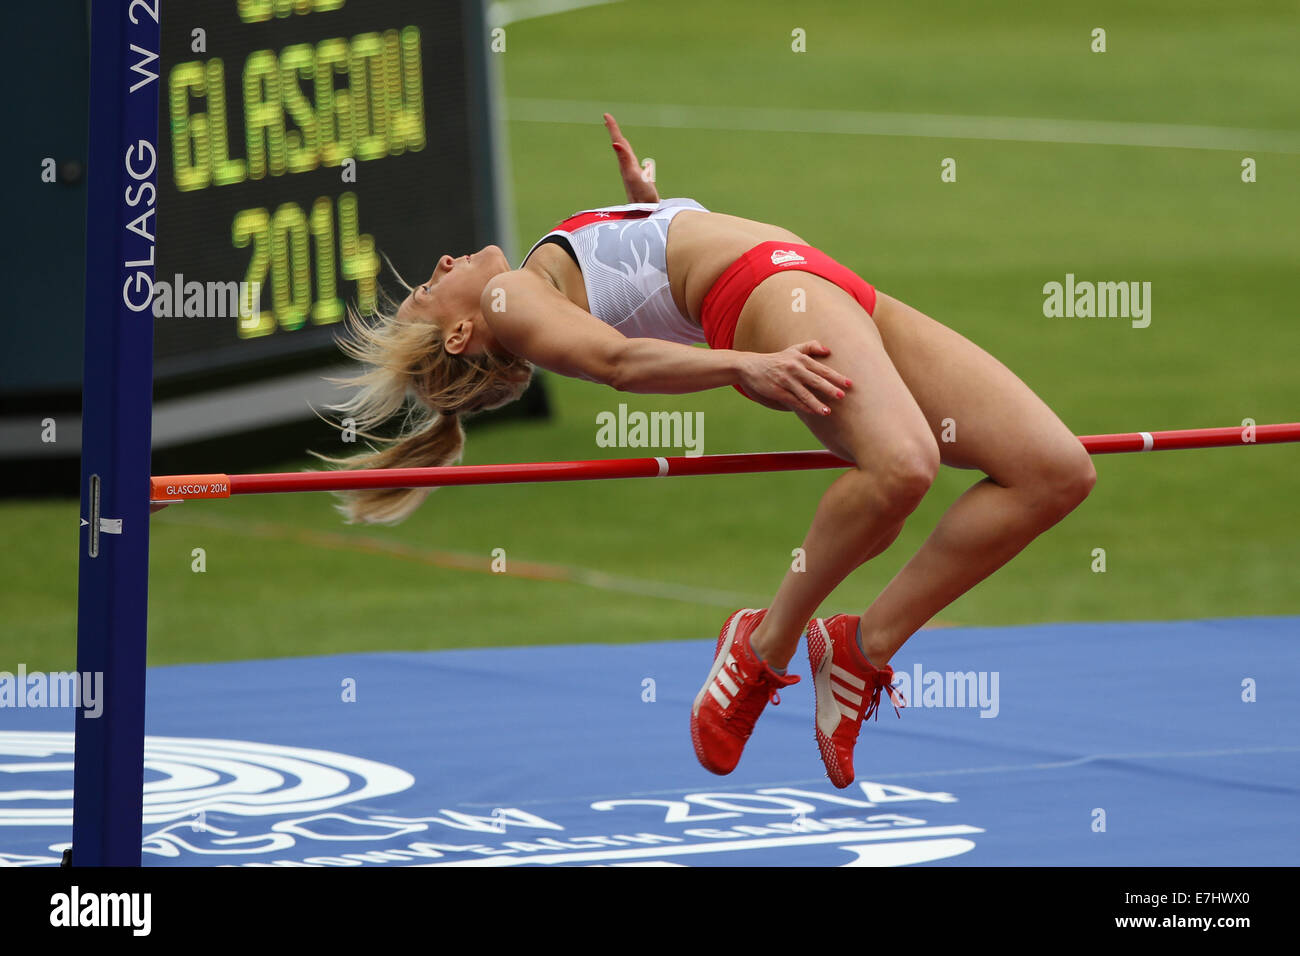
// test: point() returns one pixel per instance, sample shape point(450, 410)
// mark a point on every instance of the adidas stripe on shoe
point(847, 689)
point(739, 686)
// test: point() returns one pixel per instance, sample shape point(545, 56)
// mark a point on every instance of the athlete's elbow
point(617, 370)
point(619, 377)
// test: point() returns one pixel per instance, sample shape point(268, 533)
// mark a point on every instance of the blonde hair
point(406, 369)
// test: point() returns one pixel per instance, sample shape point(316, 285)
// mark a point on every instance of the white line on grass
point(454, 560)
point(461, 561)
point(1024, 129)
point(505, 12)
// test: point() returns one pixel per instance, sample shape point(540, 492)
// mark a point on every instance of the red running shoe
point(847, 688)
point(739, 687)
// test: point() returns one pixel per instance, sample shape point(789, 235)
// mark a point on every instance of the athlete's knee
point(1077, 481)
point(1062, 481)
point(900, 475)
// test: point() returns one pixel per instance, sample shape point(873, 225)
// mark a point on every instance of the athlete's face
point(450, 297)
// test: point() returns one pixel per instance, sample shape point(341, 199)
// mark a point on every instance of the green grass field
point(1187, 534)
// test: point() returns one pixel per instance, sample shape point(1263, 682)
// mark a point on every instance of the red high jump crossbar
point(181, 487)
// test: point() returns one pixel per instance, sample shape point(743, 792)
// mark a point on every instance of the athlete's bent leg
point(878, 426)
point(1037, 470)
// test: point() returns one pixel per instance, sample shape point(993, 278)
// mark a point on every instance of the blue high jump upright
point(117, 410)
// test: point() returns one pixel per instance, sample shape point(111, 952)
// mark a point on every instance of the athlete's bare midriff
point(701, 245)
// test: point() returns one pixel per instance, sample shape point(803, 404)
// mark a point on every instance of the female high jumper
point(619, 295)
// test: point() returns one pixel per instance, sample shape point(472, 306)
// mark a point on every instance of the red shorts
point(722, 305)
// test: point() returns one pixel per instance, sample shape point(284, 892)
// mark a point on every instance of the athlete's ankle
point(874, 652)
point(759, 646)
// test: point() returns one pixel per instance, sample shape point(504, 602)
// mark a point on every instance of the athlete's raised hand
point(638, 183)
point(793, 379)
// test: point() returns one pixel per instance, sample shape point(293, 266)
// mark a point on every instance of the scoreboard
point(300, 141)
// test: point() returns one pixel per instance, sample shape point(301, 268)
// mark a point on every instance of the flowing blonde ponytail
point(406, 369)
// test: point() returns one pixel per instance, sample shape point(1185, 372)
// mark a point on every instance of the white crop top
point(622, 253)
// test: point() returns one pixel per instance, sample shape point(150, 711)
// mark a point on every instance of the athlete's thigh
point(997, 423)
point(878, 417)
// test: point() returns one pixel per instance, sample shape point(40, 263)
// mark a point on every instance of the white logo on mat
point(185, 775)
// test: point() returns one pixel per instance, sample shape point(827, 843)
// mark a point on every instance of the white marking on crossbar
point(663, 466)
point(1147, 441)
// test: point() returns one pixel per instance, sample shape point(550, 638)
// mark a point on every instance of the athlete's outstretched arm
point(532, 319)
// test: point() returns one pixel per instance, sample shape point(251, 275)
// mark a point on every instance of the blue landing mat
point(1084, 744)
